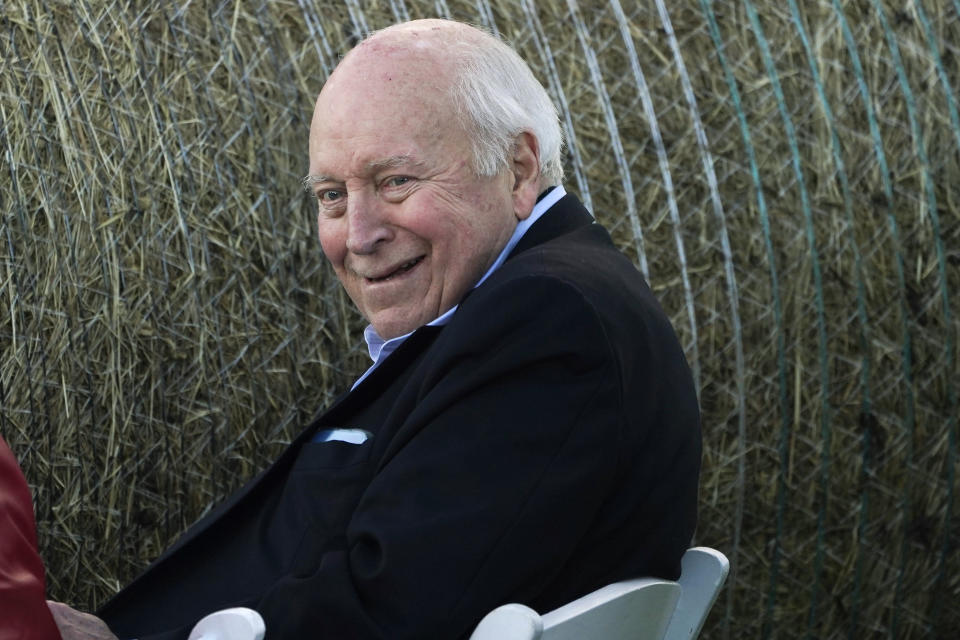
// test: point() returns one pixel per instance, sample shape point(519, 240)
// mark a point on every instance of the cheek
point(332, 242)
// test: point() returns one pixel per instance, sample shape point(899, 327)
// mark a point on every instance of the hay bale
point(169, 323)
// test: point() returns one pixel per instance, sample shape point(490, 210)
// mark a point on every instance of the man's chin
point(394, 327)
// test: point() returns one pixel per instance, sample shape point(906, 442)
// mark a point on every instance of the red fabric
point(23, 608)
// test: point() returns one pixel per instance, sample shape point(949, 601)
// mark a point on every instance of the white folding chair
point(702, 572)
point(638, 609)
point(238, 623)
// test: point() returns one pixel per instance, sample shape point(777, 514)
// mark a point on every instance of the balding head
point(486, 84)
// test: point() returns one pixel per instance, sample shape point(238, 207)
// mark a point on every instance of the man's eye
point(397, 181)
point(329, 195)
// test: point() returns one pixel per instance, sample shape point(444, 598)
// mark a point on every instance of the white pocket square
point(352, 436)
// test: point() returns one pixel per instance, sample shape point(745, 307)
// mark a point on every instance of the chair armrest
point(238, 623)
point(509, 622)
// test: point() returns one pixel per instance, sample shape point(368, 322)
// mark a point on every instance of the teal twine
point(941, 263)
point(729, 274)
point(866, 407)
point(818, 292)
point(884, 172)
point(836, 150)
point(785, 426)
point(941, 71)
point(938, 589)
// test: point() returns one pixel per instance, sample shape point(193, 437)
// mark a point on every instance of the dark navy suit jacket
point(542, 444)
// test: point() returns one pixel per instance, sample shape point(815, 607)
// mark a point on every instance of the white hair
point(499, 98)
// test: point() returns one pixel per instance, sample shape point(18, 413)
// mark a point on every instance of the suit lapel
point(370, 388)
point(565, 216)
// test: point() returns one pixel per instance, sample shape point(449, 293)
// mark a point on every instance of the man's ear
point(525, 165)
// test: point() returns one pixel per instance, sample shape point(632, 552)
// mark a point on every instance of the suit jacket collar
point(366, 391)
point(567, 215)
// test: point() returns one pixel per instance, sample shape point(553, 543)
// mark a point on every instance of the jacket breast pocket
point(332, 454)
point(318, 498)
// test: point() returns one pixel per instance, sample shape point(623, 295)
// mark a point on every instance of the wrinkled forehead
point(393, 92)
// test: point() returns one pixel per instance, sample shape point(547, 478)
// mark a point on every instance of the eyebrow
point(309, 180)
point(371, 167)
point(391, 162)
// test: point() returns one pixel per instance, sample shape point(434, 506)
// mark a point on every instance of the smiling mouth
point(406, 266)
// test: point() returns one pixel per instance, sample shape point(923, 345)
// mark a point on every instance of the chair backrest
point(639, 609)
point(703, 571)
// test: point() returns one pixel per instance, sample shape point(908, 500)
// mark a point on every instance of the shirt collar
point(378, 348)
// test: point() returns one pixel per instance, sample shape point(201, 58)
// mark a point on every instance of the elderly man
point(528, 431)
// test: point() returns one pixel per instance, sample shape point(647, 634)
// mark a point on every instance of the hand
point(76, 625)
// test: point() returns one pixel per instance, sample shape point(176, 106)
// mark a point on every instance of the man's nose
point(367, 223)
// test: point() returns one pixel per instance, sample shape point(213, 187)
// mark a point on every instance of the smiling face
point(407, 225)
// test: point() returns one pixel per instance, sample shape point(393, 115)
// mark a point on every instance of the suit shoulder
point(546, 304)
point(581, 268)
